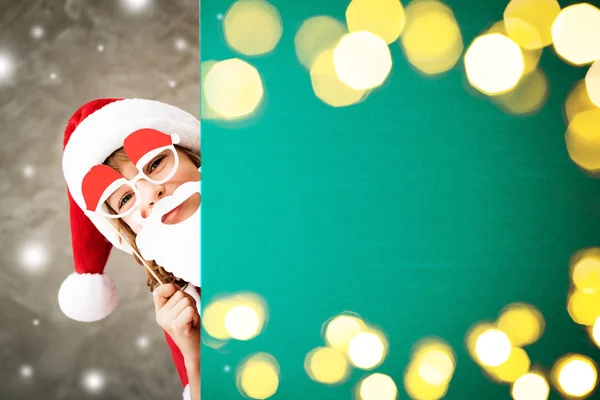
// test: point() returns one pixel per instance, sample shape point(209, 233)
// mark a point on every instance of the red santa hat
point(93, 133)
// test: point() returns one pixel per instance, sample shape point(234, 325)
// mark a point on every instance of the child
point(123, 161)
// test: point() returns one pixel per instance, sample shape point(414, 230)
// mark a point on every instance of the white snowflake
point(143, 342)
point(100, 47)
point(6, 66)
point(36, 322)
point(93, 381)
point(219, 16)
point(181, 44)
point(227, 368)
point(33, 256)
point(172, 83)
point(28, 171)
point(26, 371)
point(136, 5)
point(37, 32)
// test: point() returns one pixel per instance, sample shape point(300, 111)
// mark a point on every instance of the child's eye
point(156, 163)
point(124, 200)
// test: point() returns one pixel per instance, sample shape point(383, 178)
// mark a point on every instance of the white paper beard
point(174, 247)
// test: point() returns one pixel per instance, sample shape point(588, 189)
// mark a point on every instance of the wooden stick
point(137, 255)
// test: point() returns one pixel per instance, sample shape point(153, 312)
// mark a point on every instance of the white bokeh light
point(6, 67)
point(172, 83)
point(26, 371)
point(136, 5)
point(180, 44)
point(100, 48)
point(36, 322)
point(53, 75)
point(143, 342)
point(93, 381)
point(37, 32)
point(33, 256)
point(28, 171)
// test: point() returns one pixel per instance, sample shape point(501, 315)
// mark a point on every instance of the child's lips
point(171, 216)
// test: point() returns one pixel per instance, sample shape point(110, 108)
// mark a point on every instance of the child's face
point(150, 193)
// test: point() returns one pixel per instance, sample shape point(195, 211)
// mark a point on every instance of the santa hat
point(93, 133)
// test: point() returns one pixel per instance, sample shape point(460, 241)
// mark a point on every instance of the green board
point(425, 209)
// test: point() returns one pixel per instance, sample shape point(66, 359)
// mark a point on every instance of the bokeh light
point(242, 322)
point(583, 307)
point(377, 387)
point(384, 18)
point(233, 88)
point(576, 34)
point(362, 60)
point(528, 97)
point(252, 27)
point(327, 365)
point(26, 371)
point(136, 6)
point(34, 256)
point(316, 35)
point(339, 330)
point(37, 32)
point(257, 377)
point(575, 375)
point(531, 58)
point(6, 67)
point(493, 347)
point(592, 82)
point(531, 386)
point(522, 323)
point(206, 111)
point(583, 140)
point(434, 361)
point(585, 270)
point(432, 40)
point(241, 316)
point(327, 85)
point(494, 63)
point(517, 365)
point(473, 334)
point(529, 22)
point(93, 381)
point(595, 332)
point(368, 350)
point(578, 101)
point(418, 389)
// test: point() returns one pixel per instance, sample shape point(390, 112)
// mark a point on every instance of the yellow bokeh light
point(432, 40)
point(531, 386)
point(575, 375)
point(517, 365)
point(362, 60)
point(341, 329)
point(377, 387)
point(327, 365)
point(434, 361)
point(531, 58)
point(522, 323)
point(592, 82)
point(252, 27)
point(493, 347)
point(576, 34)
point(384, 18)
point(583, 307)
point(578, 101)
point(316, 35)
point(213, 318)
point(367, 350)
point(494, 63)
point(528, 97)
point(242, 323)
point(583, 140)
point(595, 332)
point(206, 112)
point(529, 22)
point(258, 376)
point(233, 88)
point(418, 389)
point(585, 270)
point(328, 87)
point(473, 334)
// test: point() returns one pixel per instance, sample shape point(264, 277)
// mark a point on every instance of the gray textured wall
point(84, 50)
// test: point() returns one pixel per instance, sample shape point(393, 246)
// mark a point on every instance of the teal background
point(425, 209)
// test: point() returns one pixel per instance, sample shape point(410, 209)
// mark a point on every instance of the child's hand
point(176, 313)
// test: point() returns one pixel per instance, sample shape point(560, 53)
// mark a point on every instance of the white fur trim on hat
point(87, 297)
point(103, 132)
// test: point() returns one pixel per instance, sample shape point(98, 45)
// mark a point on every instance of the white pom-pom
point(87, 297)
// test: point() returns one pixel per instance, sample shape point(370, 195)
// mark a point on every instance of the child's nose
point(149, 195)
